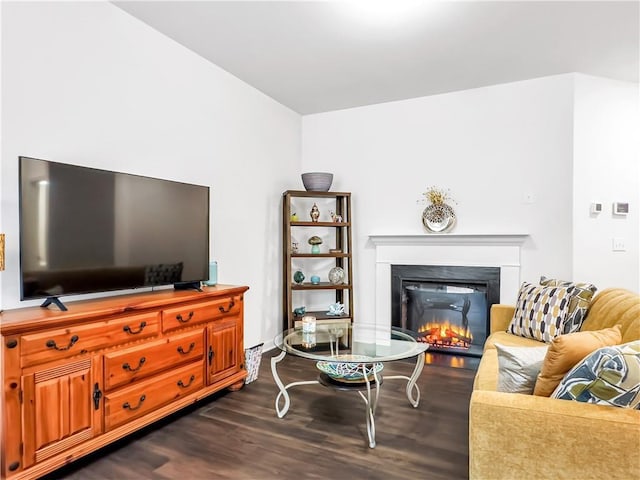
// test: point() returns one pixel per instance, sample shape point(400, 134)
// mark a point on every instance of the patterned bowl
point(317, 181)
point(348, 371)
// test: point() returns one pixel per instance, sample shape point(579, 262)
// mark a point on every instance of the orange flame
point(441, 333)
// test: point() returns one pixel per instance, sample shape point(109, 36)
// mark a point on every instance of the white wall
point(606, 170)
point(85, 83)
point(493, 147)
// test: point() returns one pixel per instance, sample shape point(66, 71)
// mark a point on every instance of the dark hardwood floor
point(238, 435)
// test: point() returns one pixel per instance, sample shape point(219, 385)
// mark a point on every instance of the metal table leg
point(283, 388)
point(413, 392)
point(371, 405)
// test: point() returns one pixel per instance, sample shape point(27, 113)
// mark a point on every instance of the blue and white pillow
point(608, 376)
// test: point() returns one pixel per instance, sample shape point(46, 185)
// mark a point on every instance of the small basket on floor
point(252, 357)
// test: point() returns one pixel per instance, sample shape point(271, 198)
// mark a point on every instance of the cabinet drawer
point(77, 339)
point(140, 361)
point(188, 315)
point(145, 396)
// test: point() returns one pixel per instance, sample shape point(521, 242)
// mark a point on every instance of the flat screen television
point(85, 230)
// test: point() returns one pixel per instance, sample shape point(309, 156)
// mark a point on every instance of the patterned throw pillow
point(540, 312)
point(581, 295)
point(609, 376)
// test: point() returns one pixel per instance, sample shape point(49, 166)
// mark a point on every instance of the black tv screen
point(84, 230)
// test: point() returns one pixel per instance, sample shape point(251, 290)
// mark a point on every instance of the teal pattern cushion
point(540, 312)
point(608, 376)
point(581, 294)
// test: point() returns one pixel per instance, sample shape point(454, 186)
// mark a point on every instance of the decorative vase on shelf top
point(438, 218)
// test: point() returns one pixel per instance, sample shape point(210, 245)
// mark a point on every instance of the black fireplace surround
point(457, 298)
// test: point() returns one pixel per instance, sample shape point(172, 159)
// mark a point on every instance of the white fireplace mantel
point(467, 249)
point(451, 239)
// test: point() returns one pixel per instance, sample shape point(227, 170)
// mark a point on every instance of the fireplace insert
point(447, 307)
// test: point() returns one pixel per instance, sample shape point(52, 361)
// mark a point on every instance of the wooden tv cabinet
point(78, 380)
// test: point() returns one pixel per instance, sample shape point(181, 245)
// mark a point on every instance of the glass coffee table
point(350, 357)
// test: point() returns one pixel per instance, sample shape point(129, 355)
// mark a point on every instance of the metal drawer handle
point(181, 351)
point(126, 405)
point(184, 320)
point(97, 395)
point(126, 366)
point(127, 328)
point(52, 343)
point(182, 385)
point(231, 304)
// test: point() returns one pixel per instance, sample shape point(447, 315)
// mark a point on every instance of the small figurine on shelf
point(336, 309)
point(294, 217)
point(314, 213)
point(315, 243)
point(336, 276)
point(336, 218)
point(298, 277)
point(299, 311)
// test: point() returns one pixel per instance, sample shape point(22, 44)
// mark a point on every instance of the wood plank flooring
point(238, 435)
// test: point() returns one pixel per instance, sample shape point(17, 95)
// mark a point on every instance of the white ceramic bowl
point(317, 181)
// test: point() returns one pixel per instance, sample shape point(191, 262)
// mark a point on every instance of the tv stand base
point(187, 286)
point(56, 301)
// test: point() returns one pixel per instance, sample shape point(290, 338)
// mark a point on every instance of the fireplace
point(446, 306)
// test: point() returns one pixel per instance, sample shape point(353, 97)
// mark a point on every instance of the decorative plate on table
point(348, 372)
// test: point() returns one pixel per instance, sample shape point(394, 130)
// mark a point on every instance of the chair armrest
point(501, 316)
point(525, 436)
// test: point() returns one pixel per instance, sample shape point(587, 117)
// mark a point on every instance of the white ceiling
point(316, 56)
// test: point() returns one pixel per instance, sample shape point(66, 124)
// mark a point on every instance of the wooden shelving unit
point(338, 235)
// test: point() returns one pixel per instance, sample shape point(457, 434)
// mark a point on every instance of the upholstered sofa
point(517, 436)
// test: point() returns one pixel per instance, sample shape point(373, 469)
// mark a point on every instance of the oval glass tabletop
point(350, 343)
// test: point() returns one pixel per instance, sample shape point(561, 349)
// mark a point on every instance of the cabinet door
point(59, 409)
point(222, 353)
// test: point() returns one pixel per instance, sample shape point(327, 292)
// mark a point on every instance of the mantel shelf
point(450, 239)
